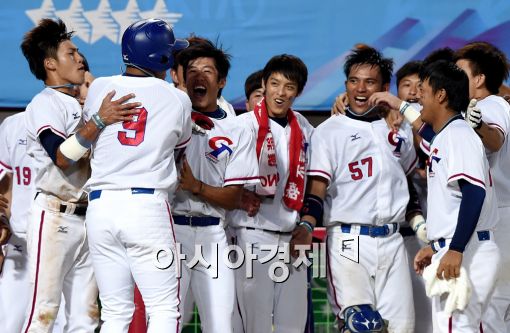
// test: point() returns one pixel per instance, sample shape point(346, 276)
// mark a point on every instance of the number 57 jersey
point(139, 153)
point(365, 165)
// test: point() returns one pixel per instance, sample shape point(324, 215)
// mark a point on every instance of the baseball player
point(133, 168)
point(177, 74)
point(462, 210)
point(57, 246)
point(282, 151)
point(487, 67)
point(253, 90)
point(17, 174)
point(408, 81)
point(217, 165)
point(360, 185)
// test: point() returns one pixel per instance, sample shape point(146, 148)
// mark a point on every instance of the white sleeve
point(408, 159)
point(185, 137)
point(94, 100)
point(45, 113)
point(466, 159)
point(493, 114)
point(320, 157)
point(5, 163)
point(243, 166)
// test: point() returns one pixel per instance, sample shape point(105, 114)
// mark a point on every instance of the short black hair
point(367, 55)
point(291, 67)
point(206, 50)
point(192, 40)
point(42, 42)
point(486, 59)
point(446, 75)
point(252, 83)
point(410, 68)
point(444, 53)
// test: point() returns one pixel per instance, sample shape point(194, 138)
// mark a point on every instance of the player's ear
point(441, 96)
point(222, 83)
point(50, 64)
point(480, 80)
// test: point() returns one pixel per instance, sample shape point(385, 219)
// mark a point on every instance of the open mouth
point(199, 91)
point(413, 100)
point(360, 100)
point(279, 101)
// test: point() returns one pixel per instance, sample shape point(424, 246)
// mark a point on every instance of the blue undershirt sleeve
point(469, 213)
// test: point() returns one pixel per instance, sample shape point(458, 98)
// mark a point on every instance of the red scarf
point(266, 154)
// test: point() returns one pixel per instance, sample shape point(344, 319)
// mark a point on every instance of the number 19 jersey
point(139, 153)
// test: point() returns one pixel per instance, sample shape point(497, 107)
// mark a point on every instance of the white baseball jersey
point(139, 153)
point(14, 159)
point(456, 153)
point(62, 114)
point(229, 109)
point(222, 157)
point(367, 181)
point(496, 113)
point(273, 214)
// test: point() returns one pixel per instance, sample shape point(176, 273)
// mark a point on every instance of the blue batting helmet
point(149, 44)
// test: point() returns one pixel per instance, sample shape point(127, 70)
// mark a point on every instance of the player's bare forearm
point(316, 186)
point(225, 197)
point(492, 138)
point(6, 195)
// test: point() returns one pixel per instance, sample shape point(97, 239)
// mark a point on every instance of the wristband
point(72, 149)
point(98, 122)
point(409, 112)
point(307, 225)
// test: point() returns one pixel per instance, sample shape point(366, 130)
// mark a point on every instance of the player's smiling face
point(280, 93)
point(67, 67)
point(203, 85)
point(408, 88)
point(363, 81)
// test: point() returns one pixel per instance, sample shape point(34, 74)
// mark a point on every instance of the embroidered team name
point(220, 146)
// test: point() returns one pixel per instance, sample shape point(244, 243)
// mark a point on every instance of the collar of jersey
point(349, 113)
point(134, 75)
point(452, 119)
point(219, 113)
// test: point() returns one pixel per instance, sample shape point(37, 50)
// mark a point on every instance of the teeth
point(199, 87)
point(360, 98)
point(279, 101)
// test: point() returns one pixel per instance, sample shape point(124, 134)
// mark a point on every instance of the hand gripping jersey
point(452, 158)
point(62, 114)
point(273, 214)
point(496, 113)
point(139, 153)
point(222, 157)
point(367, 178)
point(14, 159)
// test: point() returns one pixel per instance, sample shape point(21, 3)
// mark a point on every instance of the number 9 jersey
point(139, 153)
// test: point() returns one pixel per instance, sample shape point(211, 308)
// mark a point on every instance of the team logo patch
point(220, 146)
point(62, 229)
point(396, 140)
point(22, 142)
point(430, 162)
point(355, 137)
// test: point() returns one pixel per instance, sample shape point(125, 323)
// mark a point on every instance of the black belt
point(79, 209)
point(196, 221)
point(277, 232)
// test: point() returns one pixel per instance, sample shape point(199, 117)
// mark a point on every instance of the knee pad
point(363, 318)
